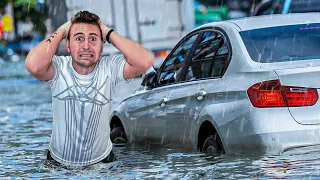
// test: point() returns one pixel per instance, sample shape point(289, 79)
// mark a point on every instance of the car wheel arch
point(117, 129)
point(206, 129)
point(115, 122)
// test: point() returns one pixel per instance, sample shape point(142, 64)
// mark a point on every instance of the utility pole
point(58, 15)
point(58, 12)
point(126, 23)
point(113, 14)
point(180, 17)
point(188, 14)
point(136, 8)
point(185, 16)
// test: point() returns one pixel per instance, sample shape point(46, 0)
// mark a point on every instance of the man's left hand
point(104, 29)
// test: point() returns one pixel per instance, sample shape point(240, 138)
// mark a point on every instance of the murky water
point(25, 129)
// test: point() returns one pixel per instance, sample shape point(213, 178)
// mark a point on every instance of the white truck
point(156, 24)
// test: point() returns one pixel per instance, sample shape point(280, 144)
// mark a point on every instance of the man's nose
point(86, 44)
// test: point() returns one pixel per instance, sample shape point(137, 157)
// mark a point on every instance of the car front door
point(148, 113)
point(147, 117)
point(205, 67)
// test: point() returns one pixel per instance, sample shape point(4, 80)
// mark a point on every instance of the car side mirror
point(149, 78)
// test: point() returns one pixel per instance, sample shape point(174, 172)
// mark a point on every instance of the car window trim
point(199, 32)
point(214, 56)
point(188, 60)
point(227, 40)
point(225, 37)
point(181, 79)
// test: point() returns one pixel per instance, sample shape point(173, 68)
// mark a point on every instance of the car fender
point(200, 120)
point(219, 115)
point(122, 116)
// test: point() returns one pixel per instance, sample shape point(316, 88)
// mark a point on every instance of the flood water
point(25, 129)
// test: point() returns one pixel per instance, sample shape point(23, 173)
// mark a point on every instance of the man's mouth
point(86, 55)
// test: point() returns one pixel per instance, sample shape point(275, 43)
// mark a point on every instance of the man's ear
point(67, 45)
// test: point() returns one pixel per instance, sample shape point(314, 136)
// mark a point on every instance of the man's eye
point(92, 39)
point(79, 39)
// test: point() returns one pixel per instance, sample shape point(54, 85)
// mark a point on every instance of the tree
point(29, 8)
point(16, 3)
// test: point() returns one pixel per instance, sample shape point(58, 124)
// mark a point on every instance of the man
point(81, 86)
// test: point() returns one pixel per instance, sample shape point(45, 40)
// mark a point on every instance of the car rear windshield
point(300, 6)
point(283, 43)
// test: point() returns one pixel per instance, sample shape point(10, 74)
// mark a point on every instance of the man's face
point(85, 44)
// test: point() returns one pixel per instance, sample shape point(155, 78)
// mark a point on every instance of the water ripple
point(26, 124)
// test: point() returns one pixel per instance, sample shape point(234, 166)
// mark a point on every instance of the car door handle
point(200, 94)
point(164, 101)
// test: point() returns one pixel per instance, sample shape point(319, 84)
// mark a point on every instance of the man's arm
point(138, 59)
point(38, 61)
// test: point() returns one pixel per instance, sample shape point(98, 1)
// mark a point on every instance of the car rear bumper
point(270, 131)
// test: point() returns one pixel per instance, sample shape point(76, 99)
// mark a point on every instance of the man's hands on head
point(65, 27)
point(104, 29)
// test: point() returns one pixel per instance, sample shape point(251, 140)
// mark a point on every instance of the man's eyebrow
point(93, 34)
point(77, 34)
point(83, 33)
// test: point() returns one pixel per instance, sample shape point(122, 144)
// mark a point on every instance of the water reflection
point(25, 128)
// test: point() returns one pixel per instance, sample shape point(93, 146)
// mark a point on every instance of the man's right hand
point(38, 62)
point(65, 27)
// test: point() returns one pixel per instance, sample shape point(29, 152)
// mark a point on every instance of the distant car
point(266, 7)
point(238, 86)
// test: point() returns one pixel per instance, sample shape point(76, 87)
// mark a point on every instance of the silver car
point(238, 86)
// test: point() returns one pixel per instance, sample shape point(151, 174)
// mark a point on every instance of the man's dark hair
point(86, 17)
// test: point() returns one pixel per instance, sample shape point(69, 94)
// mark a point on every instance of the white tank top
point(81, 107)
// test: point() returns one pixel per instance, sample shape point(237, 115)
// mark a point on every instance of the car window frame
point(216, 33)
point(159, 70)
point(226, 65)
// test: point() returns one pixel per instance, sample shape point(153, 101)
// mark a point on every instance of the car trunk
point(300, 74)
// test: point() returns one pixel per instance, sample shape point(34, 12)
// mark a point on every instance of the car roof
point(264, 21)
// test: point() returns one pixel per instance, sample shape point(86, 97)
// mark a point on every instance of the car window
point(283, 43)
point(221, 60)
point(300, 6)
point(287, 6)
point(209, 57)
point(171, 69)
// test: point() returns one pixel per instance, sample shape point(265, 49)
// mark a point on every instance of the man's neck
point(84, 70)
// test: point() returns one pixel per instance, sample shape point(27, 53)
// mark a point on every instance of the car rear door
point(206, 66)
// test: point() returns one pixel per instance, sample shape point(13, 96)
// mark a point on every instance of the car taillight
point(299, 96)
point(272, 94)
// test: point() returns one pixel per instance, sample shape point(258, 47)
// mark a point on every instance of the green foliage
point(3, 3)
point(27, 8)
point(30, 3)
point(16, 3)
